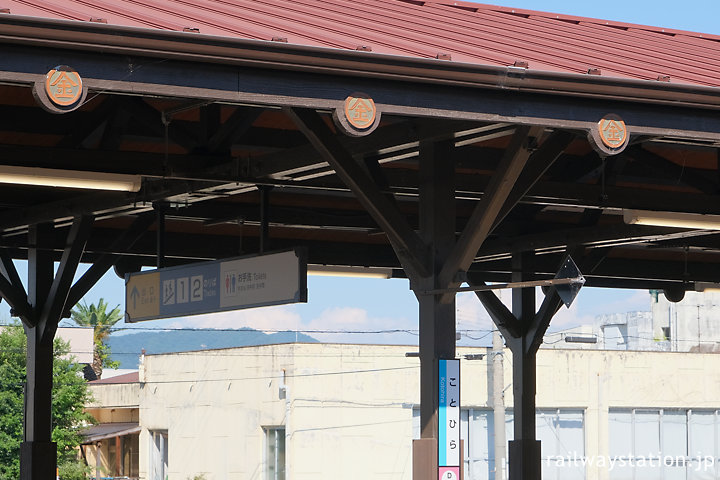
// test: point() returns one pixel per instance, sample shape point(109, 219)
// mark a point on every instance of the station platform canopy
point(444, 141)
point(205, 108)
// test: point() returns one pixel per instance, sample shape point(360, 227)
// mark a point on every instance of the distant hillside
point(127, 348)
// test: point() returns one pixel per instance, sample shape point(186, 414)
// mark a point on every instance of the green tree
point(102, 321)
point(70, 394)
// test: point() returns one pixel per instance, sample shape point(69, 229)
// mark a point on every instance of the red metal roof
point(468, 32)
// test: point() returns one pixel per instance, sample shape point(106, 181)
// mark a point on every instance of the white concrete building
point(689, 325)
point(308, 411)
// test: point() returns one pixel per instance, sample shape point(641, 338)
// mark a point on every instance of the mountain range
point(126, 348)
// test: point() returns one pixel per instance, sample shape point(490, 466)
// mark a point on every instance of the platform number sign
point(196, 288)
point(449, 419)
point(221, 285)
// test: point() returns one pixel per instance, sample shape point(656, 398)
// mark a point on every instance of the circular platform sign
point(610, 136)
point(358, 115)
point(61, 91)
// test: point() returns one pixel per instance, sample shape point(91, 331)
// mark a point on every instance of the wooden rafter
point(486, 212)
point(54, 305)
point(409, 247)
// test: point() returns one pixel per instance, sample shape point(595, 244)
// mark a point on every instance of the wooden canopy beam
point(483, 218)
point(54, 305)
point(409, 247)
point(102, 264)
point(504, 320)
point(12, 289)
point(603, 235)
point(539, 162)
point(394, 136)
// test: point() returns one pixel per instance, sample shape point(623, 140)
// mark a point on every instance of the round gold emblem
point(63, 86)
point(613, 131)
point(360, 112)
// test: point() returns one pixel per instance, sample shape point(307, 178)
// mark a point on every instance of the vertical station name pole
point(449, 456)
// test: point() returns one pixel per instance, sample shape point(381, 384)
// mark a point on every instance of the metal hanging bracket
point(568, 281)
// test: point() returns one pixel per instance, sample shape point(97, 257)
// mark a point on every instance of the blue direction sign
point(232, 284)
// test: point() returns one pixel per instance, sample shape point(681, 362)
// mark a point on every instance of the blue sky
point(692, 15)
point(363, 305)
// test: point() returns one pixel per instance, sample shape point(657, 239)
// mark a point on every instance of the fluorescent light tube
point(707, 287)
point(51, 177)
point(672, 219)
point(337, 271)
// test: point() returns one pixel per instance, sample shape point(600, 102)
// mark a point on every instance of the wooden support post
point(38, 453)
point(524, 451)
point(523, 330)
point(98, 460)
point(46, 299)
point(118, 456)
point(425, 459)
point(437, 319)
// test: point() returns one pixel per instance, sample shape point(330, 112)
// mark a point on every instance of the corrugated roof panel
point(472, 34)
point(83, 11)
point(398, 33)
point(691, 65)
point(363, 27)
point(641, 59)
point(46, 10)
point(533, 46)
point(539, 48)
point(469, 32)
point(585, 44)
point(647, 56)
point(680, 43)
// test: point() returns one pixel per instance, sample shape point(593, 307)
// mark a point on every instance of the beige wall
point(115, 395)
point(350, 406)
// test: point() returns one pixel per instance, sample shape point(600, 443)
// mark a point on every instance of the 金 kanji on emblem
point(63, 86)
point(612, 132)
point(360, 112)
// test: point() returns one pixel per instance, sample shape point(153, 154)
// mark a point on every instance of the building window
point(159, 455)
point(668, 444)
point(274, 453)
point(562, 438)
point(561, 432)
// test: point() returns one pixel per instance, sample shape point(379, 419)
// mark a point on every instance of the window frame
point(159, 455)
point(274, 438)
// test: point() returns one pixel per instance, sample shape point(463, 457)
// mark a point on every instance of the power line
point(281, 376)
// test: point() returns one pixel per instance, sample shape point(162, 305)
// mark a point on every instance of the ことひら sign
point(449, 419)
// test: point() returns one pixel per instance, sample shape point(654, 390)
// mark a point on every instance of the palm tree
point(102, 321)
